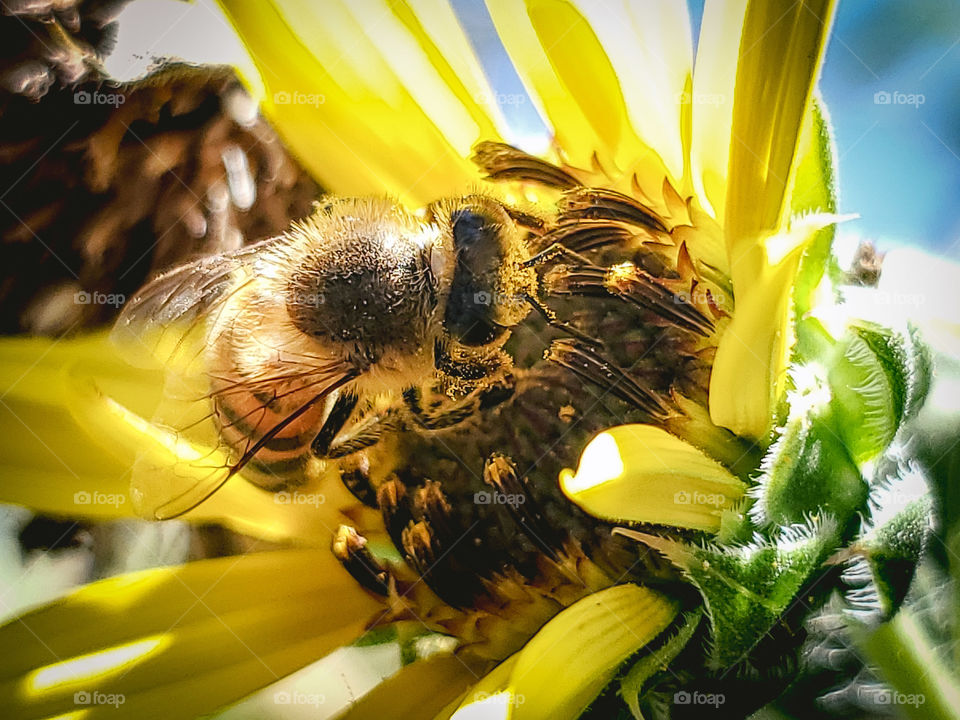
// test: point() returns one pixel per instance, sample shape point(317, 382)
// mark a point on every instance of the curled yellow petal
point(642, 474)
point(594, 636)
point(750, 369)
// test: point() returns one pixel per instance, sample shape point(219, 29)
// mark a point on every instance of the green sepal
point(637, 679)
point(894, 550)
point(920, 377)
point(746, 589)
point(807, 473)
point(814, 190)
point(869, 381)
point(886, 556)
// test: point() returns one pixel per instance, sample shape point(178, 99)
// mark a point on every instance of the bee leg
point(362, 435)
point(466, 369)
point(355, 476)
point(551, 252)
point(531, 222)
point(339, 414)
point(446, 417)
point(551, 317)
point(327, 444)
point(456, 413)
point(350, 548)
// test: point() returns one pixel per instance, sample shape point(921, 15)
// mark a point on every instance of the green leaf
point(893, 551)
point(907, 660)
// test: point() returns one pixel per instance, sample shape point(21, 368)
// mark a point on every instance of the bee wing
point(160, 324)
point(243, 393)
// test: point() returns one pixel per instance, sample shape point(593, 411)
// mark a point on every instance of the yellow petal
point(571, 80)
point(418, 690)
point(780, 53)
point(73, 422)
point(186, 640)
point(363, 95)
point(642, 474)
point(714, 78)
point(657, 38)
point(584, 645)
point(750, 369)
point(49, 462)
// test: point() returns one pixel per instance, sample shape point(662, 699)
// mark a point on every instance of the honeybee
point(367, 321)
point(289, 340)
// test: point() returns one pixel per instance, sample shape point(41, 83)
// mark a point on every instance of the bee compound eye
point(471, 227)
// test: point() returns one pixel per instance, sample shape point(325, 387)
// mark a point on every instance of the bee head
point(488, 284)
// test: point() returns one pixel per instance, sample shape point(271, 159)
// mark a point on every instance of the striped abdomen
point(248, 411)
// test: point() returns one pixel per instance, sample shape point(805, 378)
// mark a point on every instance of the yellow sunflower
point(727, 157)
